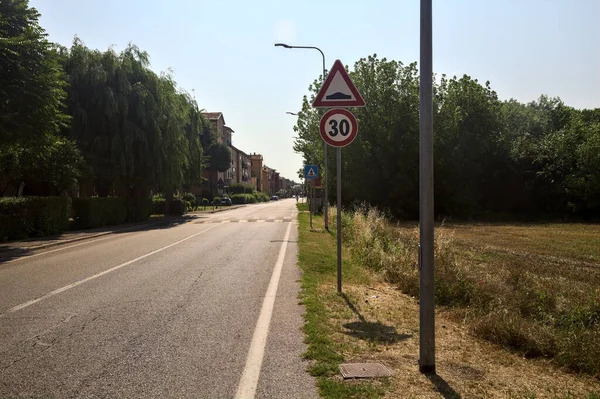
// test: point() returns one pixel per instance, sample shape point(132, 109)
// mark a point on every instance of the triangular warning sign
point(338, 90)
point(311, 173)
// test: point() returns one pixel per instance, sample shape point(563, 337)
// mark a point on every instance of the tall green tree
point(32, 107)
point(492, 158)
point(31, 82)
point(137, 130)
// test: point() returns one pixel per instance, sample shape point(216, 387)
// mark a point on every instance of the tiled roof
point(213, 116)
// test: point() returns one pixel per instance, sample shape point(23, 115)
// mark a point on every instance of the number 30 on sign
point(338, 127)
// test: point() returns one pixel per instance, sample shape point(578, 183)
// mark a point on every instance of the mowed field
point(572, 243)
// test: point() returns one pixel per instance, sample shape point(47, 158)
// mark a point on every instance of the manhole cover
point(364, 370)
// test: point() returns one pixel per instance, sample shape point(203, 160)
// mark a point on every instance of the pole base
point(427, 369)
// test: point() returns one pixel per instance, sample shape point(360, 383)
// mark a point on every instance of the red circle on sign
point(329, 132)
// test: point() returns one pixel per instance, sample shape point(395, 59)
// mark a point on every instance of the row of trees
point(492, 158)
point(103, 120)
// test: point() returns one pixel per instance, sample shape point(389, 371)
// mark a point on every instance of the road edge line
point(251, 374)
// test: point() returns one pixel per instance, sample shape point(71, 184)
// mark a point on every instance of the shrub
point(158, 206)
point(216, 201)
point(139, 209)
point(236, 188)
point(190, 200)
point(99, 211)
point(205, 202)
point(243, 199)
point(248, 189)
point(24, 217)
point(238, 198)
point(178, 207)
point(260, 197)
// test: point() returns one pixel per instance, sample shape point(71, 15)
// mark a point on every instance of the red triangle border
point(319, 102)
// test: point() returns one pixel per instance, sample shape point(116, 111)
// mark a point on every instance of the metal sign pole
point(311, 202)
point(339, 219)
point(426, 283)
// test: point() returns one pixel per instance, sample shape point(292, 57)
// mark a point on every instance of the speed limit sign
point(338, 127)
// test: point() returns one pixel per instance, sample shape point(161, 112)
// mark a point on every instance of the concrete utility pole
point(426, 259)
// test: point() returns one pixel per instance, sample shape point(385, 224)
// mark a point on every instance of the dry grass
point(375, 321)
point(384, 327)
point(532, 289)
point(571, 242)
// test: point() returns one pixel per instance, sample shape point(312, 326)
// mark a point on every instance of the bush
point(243, 199)
point(216, 201)
point(190, 200)
point(236, 188)
point(248, 189)
point(139, 209)
point(205, 202)
point(158, 206)
point(24, 217)
point(178, 207)
point(99, 211)
point(260, 197)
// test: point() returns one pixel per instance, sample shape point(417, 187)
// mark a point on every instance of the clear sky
point(223, 50)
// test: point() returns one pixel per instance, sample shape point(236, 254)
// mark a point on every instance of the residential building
point(217, 182)
point(256, 171)
point(240, 165)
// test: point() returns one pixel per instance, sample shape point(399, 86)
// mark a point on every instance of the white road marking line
point(85, 280)
point(225, 221)
point(249, 381)
point(260, 221)
point(278, 221)
point(271, 217)
point(243, 221)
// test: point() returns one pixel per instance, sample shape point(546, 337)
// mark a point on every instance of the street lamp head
point(292, 113)
point(282, 45)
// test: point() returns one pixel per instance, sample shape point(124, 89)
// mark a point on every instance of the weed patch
point(524, 297)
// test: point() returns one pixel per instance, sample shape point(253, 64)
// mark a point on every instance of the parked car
point(226, 201)
point(274, 198)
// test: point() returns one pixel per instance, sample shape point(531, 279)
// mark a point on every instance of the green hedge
point(243, 199)
point(239, 188)
point(158, 206)
point(98, 211)
point(138, 209)
point(261, 197)
point(178, 207)
point(25, 217)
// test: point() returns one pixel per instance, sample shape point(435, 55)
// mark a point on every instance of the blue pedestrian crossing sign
point(311, 172)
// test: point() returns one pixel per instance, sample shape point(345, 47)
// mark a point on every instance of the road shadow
point(166, 223)
point(17, 249)
point(371, 331)
point(442, 386)
point(8, 252)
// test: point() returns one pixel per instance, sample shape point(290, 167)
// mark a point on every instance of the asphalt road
point(205, 309)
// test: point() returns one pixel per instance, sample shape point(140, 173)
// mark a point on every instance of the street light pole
point(326, 202)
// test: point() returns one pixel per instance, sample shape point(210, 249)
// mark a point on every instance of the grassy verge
point(374, 321)
point(318, 261)
point(533, 289)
